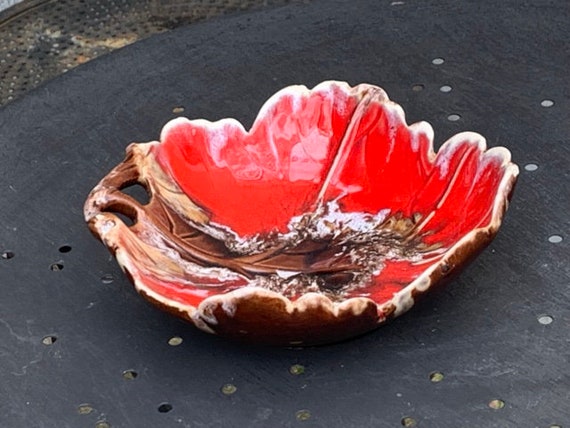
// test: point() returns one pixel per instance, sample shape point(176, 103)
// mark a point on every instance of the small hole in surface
point(303, 415)
point(408, 422)
point(531, 167)
point(545, 319)
point(165, 408)
point(418, 87)
point(555, 239)
point(436, 377)
point(49, 340)
point(56, 266)
point(84, 409)
point(547, 103)
point(496, 404)
point(175, 341)
point(437, 61)
point(102, 424)
point(129, 221)
point(445, 88)
point(229, 389)
point(297, 369)
point(65, 249)
point(6, 255)
point(137, 192)
point(107, 278)
point(453, 117)
point(130, 374)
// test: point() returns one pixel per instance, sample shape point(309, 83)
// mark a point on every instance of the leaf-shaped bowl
point(326, 219)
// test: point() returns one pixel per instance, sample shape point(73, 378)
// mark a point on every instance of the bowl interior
point(330, 191)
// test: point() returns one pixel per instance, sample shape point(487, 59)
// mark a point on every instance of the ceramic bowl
point(326, 219)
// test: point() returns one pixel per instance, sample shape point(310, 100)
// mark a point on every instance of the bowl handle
point(107, 196)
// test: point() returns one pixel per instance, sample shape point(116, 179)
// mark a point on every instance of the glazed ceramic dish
point(326, 219)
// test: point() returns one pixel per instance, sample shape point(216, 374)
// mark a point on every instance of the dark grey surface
point(501, 59)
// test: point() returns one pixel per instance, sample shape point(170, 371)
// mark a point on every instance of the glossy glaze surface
point(348, 145)
point(330, 194)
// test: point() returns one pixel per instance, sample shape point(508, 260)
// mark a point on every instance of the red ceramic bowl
point(327, 218)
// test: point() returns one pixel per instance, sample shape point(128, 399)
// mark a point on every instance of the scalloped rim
point(403, 300)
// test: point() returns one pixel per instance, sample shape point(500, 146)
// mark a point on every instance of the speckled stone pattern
point(80, 348)
point(40, 39)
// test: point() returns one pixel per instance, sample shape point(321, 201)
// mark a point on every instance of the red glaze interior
point(395, 275)
point(331, 143)
point(257, 181)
